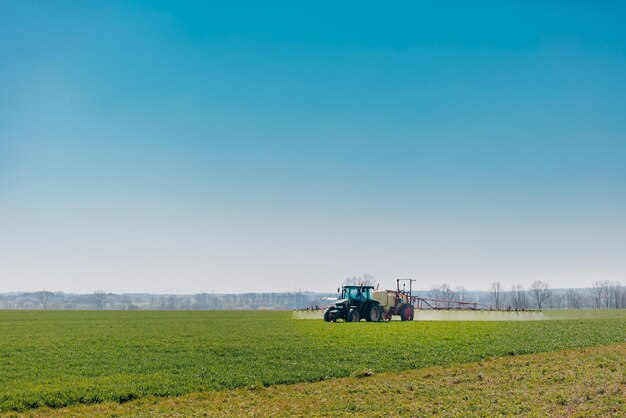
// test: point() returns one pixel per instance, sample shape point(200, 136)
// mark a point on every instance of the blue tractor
point(356, 303)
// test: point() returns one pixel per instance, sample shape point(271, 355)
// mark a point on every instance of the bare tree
point(597, 291)
point(364, 280)
point(573, 299)
point(518, 297)
point(43, 297)
point(603, 293)
point(460, 293)
point(435, 291)
point(614, 295)
point(540, 291)
point(441, 291)
point(497, 292)
point(100, 297)
point(606, 293)
point(556, 301)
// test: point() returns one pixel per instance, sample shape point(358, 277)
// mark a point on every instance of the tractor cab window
point(357, 292)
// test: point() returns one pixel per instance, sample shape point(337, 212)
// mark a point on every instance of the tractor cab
point(357, 293)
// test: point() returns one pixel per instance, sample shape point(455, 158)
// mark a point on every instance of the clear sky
point(266, 146)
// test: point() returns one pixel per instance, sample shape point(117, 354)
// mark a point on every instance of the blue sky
point(264, 146)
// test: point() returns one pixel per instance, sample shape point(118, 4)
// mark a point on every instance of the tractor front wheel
point(353, 316)
point(327, 315)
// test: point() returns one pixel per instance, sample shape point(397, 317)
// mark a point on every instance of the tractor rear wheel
point(353, 316)
point(407, 313)
point(373, 313)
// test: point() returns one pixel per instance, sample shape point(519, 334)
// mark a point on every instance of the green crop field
point(583, 382)
point(58, 358)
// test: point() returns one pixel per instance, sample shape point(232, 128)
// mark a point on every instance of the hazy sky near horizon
point(267, 146)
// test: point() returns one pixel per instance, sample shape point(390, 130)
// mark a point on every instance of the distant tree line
point(601, 295)
point(202, 301)
point(364, 280)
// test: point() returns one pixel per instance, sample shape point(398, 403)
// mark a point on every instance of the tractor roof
point(354, 285)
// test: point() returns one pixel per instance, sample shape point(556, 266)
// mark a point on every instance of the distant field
point(64, 358)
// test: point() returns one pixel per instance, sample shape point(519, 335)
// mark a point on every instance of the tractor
point(363, 302)
point(356, 303)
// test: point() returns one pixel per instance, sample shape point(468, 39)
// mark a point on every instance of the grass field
point(588, 382)
point(59, 358)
